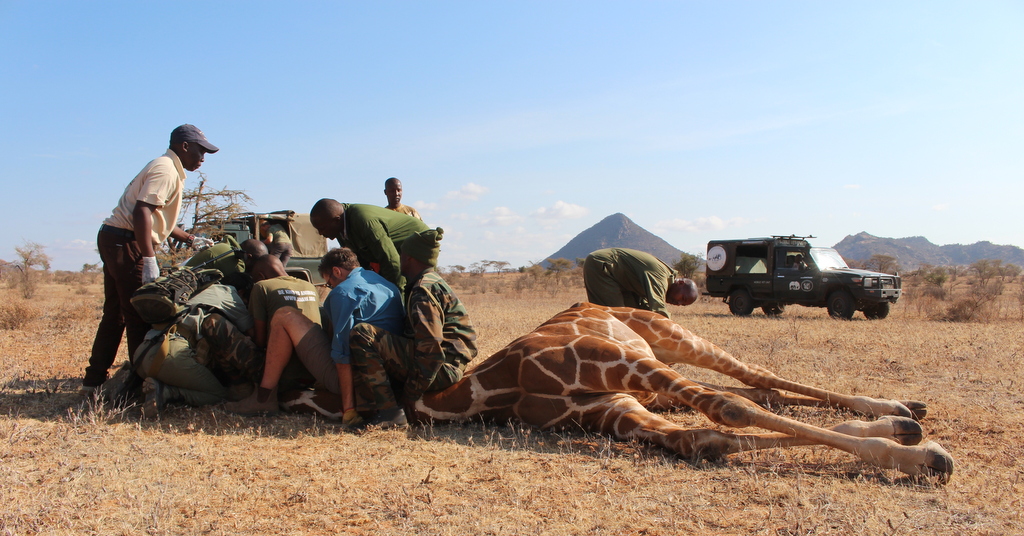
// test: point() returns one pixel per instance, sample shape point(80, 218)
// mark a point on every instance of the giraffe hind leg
point(732, 410)
point(903, 430)
point(622, 416)
point(926, 459)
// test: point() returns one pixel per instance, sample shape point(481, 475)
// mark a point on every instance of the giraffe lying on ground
point(600, 369)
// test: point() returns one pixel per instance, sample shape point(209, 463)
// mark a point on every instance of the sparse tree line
point(984, 290)
point(956, 293)
point(209, 207)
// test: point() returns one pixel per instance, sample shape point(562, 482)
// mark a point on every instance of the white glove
point(201, 242)
point(150, 270)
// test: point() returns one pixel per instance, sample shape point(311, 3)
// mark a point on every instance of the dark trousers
point(122, 276)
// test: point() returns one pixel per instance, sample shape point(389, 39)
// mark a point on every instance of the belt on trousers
point(117, 231)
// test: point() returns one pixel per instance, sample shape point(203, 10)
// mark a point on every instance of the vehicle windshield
point(827, 259)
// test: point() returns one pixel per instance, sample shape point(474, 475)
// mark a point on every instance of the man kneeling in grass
point(357, 296)
point(433, 352)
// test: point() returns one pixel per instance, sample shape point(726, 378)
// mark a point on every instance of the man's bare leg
point(287, 327)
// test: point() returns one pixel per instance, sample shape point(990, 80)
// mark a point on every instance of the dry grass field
point(70, 467)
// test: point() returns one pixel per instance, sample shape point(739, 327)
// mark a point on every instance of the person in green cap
point(438, 342)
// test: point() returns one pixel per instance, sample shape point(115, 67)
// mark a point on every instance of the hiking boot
point(154, 403)
point(123, 387)
point(240, 391)
point(389, 418)
point(251, 404)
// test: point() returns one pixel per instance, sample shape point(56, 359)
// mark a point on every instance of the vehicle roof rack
point(793, 237)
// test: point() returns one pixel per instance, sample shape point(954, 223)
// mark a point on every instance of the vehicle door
point(793, 280)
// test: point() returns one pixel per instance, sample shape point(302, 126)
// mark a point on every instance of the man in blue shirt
point(357, 296)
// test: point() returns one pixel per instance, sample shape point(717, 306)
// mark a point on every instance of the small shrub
point(16, 314)
point(972, 308)
point(71, 315)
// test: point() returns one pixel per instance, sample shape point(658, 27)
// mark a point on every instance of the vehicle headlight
point(870, 281)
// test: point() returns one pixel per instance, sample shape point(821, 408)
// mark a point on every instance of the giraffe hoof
point(905, 431)
point(917, 409)
point(938, 462)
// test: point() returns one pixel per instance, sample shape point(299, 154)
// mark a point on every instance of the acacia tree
point(501, 266)
point(986, 269)
point(34, 263)
point(688, 264)
point(559, 265)
point(1009, 271)
point(478, 268)
point(886, 264)
point(210, 207)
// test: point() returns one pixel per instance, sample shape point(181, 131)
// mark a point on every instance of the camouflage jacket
point(441, 331)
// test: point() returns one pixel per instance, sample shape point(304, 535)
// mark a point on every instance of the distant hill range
point(616, 231)
point(914, 251)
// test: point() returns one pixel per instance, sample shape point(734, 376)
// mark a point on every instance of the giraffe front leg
point(926, 459)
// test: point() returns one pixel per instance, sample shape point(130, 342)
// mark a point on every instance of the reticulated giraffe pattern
point(602, 369)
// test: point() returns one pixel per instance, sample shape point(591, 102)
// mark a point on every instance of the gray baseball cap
point(191, 133)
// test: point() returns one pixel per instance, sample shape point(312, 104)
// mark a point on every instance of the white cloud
point(940, 207)
point(77, 245)
point(501, 217)
point(520, 246)
point(711, 223)
point(424, 205)
point(561, 211)
point(469, 192)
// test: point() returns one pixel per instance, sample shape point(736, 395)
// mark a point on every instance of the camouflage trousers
point(171, 360)
point(228, 352)
point(381, 364)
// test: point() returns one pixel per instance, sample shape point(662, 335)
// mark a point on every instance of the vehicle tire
point(840, 304)
point(740, 302)
point(773, 309)
point(877, 311)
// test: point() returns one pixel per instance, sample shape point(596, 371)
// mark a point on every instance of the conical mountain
point(617, 231)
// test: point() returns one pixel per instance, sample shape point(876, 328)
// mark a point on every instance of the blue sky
point(515, 126)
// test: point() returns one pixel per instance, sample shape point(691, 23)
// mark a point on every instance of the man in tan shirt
point(393, 191)
point(145, 216)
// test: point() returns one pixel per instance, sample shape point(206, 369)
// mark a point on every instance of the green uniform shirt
point(619, 277)
point(278, 235)
point(376, 234)
point(270, 295)
point(440, 329)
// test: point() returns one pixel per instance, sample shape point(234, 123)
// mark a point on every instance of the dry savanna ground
point(70, 467)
